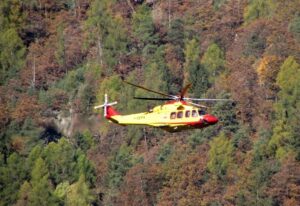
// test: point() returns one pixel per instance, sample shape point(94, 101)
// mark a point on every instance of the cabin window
point(194, 113)
point(187, 113)
point(179, 114)
point(173, 115)
point(201, 112)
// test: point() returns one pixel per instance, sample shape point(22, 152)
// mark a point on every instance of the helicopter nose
point(210, 119)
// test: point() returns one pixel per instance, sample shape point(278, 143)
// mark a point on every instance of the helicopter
point(177, 114)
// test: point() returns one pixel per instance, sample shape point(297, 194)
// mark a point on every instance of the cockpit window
point(201, 112)
point(187, 113)
point(194, 113)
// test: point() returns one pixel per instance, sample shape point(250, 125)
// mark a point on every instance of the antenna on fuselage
point(105, 105)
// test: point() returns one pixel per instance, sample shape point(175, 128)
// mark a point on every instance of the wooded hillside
point(59, 57)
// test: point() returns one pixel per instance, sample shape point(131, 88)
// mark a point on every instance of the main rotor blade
point(205, 100)
point(149, 90)
point(150, 98)
point(184, 90)
point(197, 105)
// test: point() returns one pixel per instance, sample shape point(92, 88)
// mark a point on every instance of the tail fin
point(108, 110)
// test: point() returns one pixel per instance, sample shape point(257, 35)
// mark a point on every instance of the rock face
point(65, 124)
point(70, 124)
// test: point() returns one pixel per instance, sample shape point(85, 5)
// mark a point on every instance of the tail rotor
point(105, 105)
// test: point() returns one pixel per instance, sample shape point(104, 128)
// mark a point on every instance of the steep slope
point(58, 58)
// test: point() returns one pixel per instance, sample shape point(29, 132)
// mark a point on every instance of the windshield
point(201, 112)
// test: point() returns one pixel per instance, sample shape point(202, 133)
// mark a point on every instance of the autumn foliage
point(58, 58)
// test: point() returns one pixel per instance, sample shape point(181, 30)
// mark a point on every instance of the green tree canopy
point(220, 156)
point(195, 72)
point(213, 61)
point(60, 160)
point(258, 8)
point(41, 193)
point(24, 194)
point(294, 27)
point(119, 164)
point(12, 174)
point(79, 194)
point(144, 30)
point(12, 54)
point(286, 131)
point(107, 33)
point(191, 54)
point(11, 15)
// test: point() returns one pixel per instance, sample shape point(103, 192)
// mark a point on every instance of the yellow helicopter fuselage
point(173, 116)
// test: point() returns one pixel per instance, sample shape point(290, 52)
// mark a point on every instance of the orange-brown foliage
point(141, 185)
point(186, 177)
point(26, 107)
point(285, 186)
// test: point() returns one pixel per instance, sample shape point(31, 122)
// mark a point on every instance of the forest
point(59, 57)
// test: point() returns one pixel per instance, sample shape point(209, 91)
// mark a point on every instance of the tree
point(60, 53)
point(60, 158)
point(12, 52)
point(213, 61)
point(26, 106)
point(155, 74)
point(185, 173)
point(194, 72)
point(61, 190)
point(164, 152)
point(191, 54)
point(107, 33)
point(175, 34)
point(218, 3)
point(283, 185)
point(144, 30)
point(41, 193)
point(12, 174)
point(220, 156)
point(174, 54)
point(84, 167)
point(226, 112)
point(258, 180)
point(294, 27)
point(84, 140)
point(79, 194)
point(120, 163)
point(199, 78)
point(24, 194)
point(11, 15)
point(286, 131)
point(258, 8)
point(267, 71)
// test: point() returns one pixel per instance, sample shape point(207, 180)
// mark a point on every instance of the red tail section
point(111, 112)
